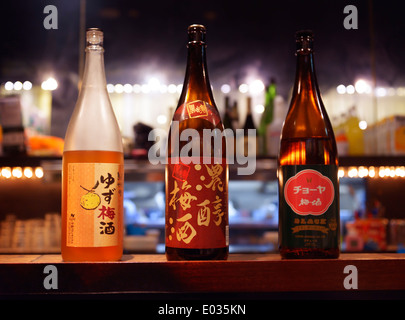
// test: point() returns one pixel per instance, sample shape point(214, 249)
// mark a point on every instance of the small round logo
point(309, 193)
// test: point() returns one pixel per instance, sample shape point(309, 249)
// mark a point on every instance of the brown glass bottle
point(196, 179)
point(308, 168)
point(249, 140)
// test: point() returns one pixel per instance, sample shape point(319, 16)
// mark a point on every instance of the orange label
point(94, 196)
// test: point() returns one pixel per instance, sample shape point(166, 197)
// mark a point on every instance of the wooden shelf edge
point(244, 273)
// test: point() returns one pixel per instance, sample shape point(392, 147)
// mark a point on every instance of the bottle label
point(197, 109)
point(309, 206)
point(94, 204)
point(197, 204)
point(309, 193)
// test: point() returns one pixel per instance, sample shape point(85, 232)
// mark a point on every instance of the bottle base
point(181, 254)
point(91, 254)
point(299, 253)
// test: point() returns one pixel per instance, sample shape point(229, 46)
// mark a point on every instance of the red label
point(309, 193)
point(196, 204)
point(197, 109)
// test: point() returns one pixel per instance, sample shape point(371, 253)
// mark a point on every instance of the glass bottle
point(354, 134)
point(13, 138)
point(92, 174)
point(250, 134)
point(227, 119)
point(274, 128)
point(196, 170)
point(235, 115)
point(228, 126)
point(308, 168)
point(267, 117)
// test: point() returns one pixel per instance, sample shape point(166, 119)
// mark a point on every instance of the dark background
point(244, 38)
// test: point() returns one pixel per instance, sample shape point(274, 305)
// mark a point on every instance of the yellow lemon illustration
point(90, 200)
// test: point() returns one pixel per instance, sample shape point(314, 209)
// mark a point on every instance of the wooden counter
point(252, 275)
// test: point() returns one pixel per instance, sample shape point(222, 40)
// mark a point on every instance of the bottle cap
point(94, 37)
point(304, 34)
point(304, 40)
point(196, 33)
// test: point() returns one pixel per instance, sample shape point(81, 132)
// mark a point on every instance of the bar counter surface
point(364, 275)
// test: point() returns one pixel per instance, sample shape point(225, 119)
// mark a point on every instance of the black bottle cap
point(308, 34)
point(304, 40)
point(196, 33)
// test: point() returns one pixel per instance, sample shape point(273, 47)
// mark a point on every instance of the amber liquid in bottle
point(92, 169)
point(308, 227)
point(107, 253)
point(196, 202)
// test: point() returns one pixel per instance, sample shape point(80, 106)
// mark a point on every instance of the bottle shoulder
point(307, 117)
point(192, 94)
point(93, 125)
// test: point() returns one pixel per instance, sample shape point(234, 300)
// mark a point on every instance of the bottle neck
point(249, 106)
point(94, 73)
point(196, 83)
point(305, 78)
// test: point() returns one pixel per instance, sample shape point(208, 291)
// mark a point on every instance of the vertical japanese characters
point(197, 206)
point(92, 219)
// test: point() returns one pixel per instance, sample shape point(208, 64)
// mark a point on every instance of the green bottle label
point(309, 206)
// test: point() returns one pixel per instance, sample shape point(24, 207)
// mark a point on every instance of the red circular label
point(309, 193)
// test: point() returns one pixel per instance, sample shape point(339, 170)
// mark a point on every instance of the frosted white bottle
point(92, 173)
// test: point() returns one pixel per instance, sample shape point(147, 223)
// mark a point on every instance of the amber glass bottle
point(308, 168)
point(92, 173)
point(250, 141)
point(196, 171)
